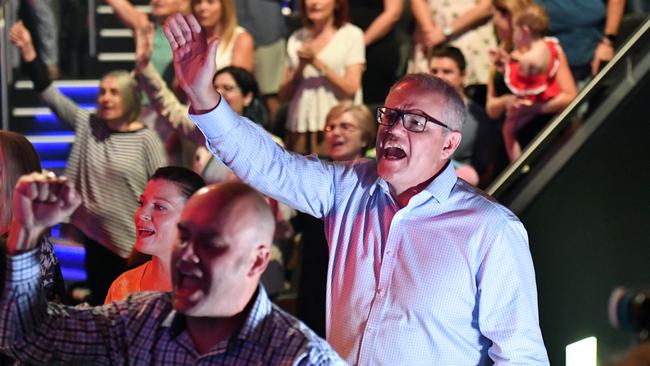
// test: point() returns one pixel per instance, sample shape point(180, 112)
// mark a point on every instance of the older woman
point(325, 65)
point(111, 159)
point(156, 221)
point(349, 131)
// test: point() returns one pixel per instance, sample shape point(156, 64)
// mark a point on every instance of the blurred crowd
point(314, 74)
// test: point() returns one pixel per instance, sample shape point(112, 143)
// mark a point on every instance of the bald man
point(217, 312)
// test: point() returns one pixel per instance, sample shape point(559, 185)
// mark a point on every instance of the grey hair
point(453, 114)
point(131, 96)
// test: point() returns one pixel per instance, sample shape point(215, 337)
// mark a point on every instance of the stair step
point(106, 9)
point(42, 113)
point(116, 56)
point(115, 33)
point(27, 84)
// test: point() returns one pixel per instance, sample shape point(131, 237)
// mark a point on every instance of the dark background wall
point(589, 231)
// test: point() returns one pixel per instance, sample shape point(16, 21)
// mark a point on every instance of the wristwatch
point(609, 39)
point(447, 31)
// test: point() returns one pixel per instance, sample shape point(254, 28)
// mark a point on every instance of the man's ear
point(248, 99)
point(452, 140)
point(261, 260)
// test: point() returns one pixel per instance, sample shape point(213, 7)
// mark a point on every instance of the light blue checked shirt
point(446, 280)
point(142, 330)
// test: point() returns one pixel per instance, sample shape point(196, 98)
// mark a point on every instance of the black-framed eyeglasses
point(411, 121)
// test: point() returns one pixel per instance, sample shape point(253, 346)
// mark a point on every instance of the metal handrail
point(522, 165)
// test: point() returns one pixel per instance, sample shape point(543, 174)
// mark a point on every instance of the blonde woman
point(218, 19)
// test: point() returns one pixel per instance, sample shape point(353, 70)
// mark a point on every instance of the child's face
point(521, 36)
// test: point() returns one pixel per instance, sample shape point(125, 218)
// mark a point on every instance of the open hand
point(20, 37)
point(194, 60)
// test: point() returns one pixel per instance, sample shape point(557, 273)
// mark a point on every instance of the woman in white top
point(325, 63)
point(219, 20)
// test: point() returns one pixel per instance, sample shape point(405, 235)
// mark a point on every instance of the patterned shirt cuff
point(217, 122)
point(23, 267)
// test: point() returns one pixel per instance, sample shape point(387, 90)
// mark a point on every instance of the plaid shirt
point(142, 330)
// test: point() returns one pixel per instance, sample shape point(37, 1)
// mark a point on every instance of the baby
point(529, 70)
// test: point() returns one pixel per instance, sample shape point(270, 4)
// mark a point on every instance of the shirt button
point(380, 292)
point(389, 253)
point(370, 329)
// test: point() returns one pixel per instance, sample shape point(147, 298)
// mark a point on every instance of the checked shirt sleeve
point(51, 334)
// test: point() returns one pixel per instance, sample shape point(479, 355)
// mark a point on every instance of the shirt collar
point(440, 188)
point(258, 311)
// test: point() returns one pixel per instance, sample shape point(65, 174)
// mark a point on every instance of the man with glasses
point(423, 268)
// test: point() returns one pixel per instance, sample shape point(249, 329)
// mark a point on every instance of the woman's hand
point(194, 60)
point(20, 37)
point(306, 53)
point(521, 112)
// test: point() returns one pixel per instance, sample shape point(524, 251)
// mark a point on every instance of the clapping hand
point(306, 53)
point(40, 201)
point(194, 60)
point(20, 37)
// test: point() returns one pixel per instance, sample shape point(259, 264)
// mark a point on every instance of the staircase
point(110, 47)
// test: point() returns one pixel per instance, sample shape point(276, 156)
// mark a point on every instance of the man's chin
point(388, 169)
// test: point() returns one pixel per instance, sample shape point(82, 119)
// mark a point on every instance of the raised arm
point(67, 111)
point(162, 98)
point(131, 17)
point(384, 22)
point(193, 60)
point(306, 184)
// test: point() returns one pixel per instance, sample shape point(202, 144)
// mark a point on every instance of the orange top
point(130, 282)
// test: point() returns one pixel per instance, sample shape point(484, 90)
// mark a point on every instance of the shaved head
point(226, 232)
point(240, 205)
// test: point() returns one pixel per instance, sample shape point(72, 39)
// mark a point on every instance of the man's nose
point(188, 254)
point(397, 127)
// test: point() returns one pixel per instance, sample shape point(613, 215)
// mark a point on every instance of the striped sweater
point(109, 169)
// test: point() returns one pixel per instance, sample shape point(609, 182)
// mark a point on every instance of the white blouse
point(315, 95)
